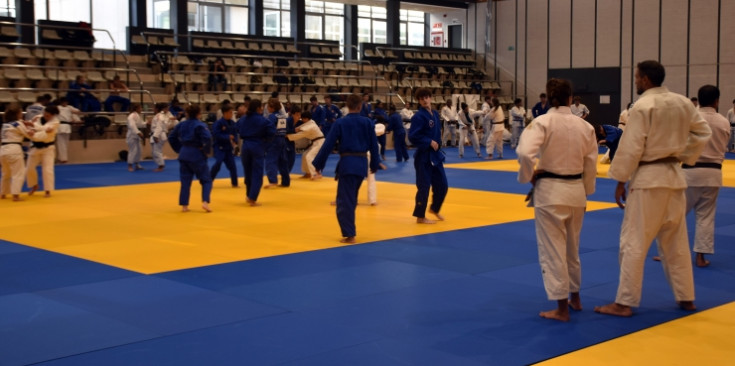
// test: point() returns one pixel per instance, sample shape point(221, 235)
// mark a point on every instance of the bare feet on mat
point(205, 206)
point(16, 198)
point(316, 177)
point(33, 190)
point(130, 168)
point(159, 169)
point(48, 194)
point(306, 176)
point(555, 314)
point(438, 215)
point(701, 262)
point(656, 258)
point(252, 203)
point(184, 208)
point(348, 240)
point(424, 220)
point(614, 309)
point(575, 303)
point(687, 305)
point(270, 185)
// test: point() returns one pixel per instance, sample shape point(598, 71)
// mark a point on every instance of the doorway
point(455, 35)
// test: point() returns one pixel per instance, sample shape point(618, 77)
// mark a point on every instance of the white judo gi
point(563, 144)
point(309, 130)
point(45, 154)
point(703, 183)
point(159, 131)
point(661, 124)
point(467, 129)
point(11, 157)
point(133, 137)
point(494, 139)
point(67, 115)
point(449, 115)
point(372, 186)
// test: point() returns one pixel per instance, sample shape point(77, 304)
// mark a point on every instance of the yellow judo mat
point(703, 338)
point(511, 165)
point(141, 228)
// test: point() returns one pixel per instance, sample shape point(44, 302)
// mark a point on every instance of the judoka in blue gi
point(192, 141)
point(318, 114)
point(255, 132)
point(276, 155)
point(225, 140)
point(294, 117)
point(609, 136)
point(331, 113)
point(425, 135)
point(395, 124)
point(379, 116)
point(356, 136)
point(366, 109)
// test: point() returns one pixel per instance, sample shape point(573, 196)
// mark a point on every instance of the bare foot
point(374, 204)
point(130, 168)
point(270, 185)
point(424, 220)
point(555, 314)
point(16, 198)
point(184, 208)
point(333, 203)
point(159, 169)
point(687, 305)
point(205, 206)
point(33, 190)
point(252, 203)
point(316, 177)
point(2, 197)
point(306, 176)
point(48, 194)
point(575, 303)
point(614, 309)
point(701, 262)
point(656, 258)
point(438, 215)
point(348, 240)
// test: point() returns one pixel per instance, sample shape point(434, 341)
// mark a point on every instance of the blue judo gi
point(429, 164)
point(276, 155)
point(395, 124)
point(290, 145)
point(192, 141)
point(224, 133)
point(356, 136)
point(318, 115)
point(331, 114)
point(612, 139)
point(256, 132)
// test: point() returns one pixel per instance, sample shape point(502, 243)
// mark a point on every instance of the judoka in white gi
point(467, 129)
point(557, 153)
point(14, 130)
point(494, 135)
point(159, 133)
point(663, 129)
point(43, 150)
point(134, 137)
point(309, 130)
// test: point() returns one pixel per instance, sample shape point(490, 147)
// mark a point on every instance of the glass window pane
point(210, 18)
point(159, 14)
point(285, 24)
point(333, 28)
point(107, 13)
point(379, 13)
point(236, 19)
point(415, 16)
point(271, 23)
point(403, 15)
point(363, 11)
point(237, 2)
point(69, 10)
point(192, 18)
point(286, 5)
point(415, 34)
point(314, 7)
point(7, 8)
point(271, 4)
point(363, 30)
point(380, 33)
point(40, 9)
point(402, 36)
point(334, 8)
point(313, 27)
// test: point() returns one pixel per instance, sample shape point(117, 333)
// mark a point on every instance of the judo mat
point(108, 271)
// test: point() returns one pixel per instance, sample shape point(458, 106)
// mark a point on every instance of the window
point(277, 18)
point(412, 28)
point(218, 16)
point(7, 8)
point(102, 14)
point(371, 24)
point(159, 14)
point(325, 21)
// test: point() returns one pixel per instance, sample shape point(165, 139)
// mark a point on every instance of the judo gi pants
point(252, 166)
point(45, 156)
point(187, 171)
point(228, 158)
point(495, 142)
point(134, 148)
point(704, 202)
point(348, 187)
point(62, 146)
point(14, 173)
point(557, 235)
point(516, 131)
point(463, 132)
point(276, 162)
point(157, 152)
point(432, 177)
point(382, 140)
point(450, 130)
point(308, 156)
point(399, 145)
point(654, 213)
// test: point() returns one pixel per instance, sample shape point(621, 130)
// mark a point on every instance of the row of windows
point(324, 20)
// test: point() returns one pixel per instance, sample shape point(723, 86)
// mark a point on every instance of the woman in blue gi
point(356, 136)
point(379, 116)
point(276, 155)
point(395, 124)
point(255, 132)
point(192, 141)
point(425, 134)
point(225, 140)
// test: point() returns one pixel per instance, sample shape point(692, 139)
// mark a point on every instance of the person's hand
point(155, 139)
point(620, 195)
point(535, 174)
point(434, 145)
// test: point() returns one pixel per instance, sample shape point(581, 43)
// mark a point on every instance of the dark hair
point(160, 106)
point(193, 111)
point(226, 101)
point(306, 114)
point(62, 100)
point(543, 95)
point(422, 93)
point(694, 99)
point(295, 109)
point(391, 107)
point(577, 98)
point(133, 107)
point(274, 94)
point(52, 109)
point(463, 105)
point(313, 98)
point(653, 70)
point(246, 98)
point(353, 102)
point(377, 103)
point(12, 114)
point(253, 107)
point(559, 91)
point(275, 104)
point(488, 97)
point(226, 108)
point(496, 104)
point(40, 99)
point(517, 101)
point(708, 95)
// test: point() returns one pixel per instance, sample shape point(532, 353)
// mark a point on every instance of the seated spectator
point(80, 97)
point(117, 86)
point(217, 76)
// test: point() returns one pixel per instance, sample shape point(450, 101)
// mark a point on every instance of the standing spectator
point(192, 141)
point(134, 137)
point(159, 134)
point(449, 115)
point(43, 150)
point(117, 87)
point(67, 116)
point(663, 129)
point(331, 113)
point(81, 97)
point(467, 129)
point(494, 139)
point(217, 75)
point(704, 178)
point(578, 109)
point(395, 125)
point(731, 119)
point(14, 131)
point(356, 136)
point(517, 122)
point(541, 107)
point(255, 132)
point(558, 156)
point(428, 160)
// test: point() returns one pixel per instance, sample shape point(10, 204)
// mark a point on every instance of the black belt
point(192, 144)
point(498, 123)
point(702, 165)
point(452, 122)
point(558, 176)
point(353, 154)
point(65, 123)
point(317, 139)
point(42, 145)
point(11, 143)
point(666, 160)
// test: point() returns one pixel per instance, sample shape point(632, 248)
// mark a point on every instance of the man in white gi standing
point(663, 129)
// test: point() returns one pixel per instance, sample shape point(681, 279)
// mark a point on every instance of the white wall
point(448, 18)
